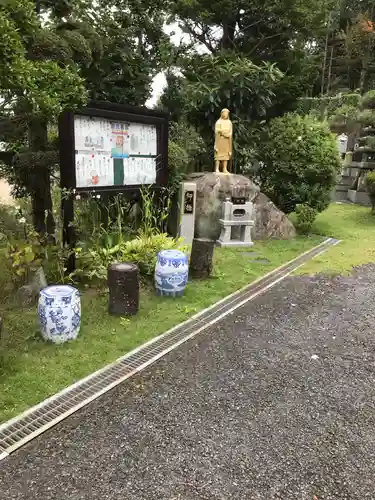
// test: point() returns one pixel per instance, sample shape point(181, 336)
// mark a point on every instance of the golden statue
point(223, 141)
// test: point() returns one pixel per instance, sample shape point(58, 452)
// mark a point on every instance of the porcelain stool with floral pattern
point(171, 273)
point(59, 312)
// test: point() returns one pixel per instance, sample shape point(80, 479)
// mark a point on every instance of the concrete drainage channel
point(22, 429)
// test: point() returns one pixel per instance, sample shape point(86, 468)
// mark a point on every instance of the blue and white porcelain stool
point(59, 311)
point(171, 273)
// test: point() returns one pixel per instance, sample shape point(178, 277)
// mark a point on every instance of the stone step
point(340, 196)
point(346, 182)
point(359, 197)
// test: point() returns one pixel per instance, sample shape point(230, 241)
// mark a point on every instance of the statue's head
point(224, 114)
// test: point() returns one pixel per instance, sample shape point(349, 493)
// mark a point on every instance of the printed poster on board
point(110, 153)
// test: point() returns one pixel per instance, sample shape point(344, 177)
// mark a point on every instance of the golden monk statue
point(223, 141)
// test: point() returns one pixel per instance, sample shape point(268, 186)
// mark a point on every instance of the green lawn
point(31, 370)
point(355, 227)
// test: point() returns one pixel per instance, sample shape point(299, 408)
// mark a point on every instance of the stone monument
point(223, 141)
point(236, 224)
point(342, 143)
point(351, 184)
point(186, 211)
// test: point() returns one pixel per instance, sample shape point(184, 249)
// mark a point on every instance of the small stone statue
point(223, 141)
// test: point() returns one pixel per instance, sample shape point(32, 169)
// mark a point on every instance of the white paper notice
point(139, 171)
point(110, 153)
point(143, 139)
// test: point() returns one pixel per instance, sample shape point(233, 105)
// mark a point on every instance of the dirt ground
point(5, 196)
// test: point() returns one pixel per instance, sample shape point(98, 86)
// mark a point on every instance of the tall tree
point(277, 31)
point(135, 48)
point(347, 49)
point(38, 80)
point(113, 48)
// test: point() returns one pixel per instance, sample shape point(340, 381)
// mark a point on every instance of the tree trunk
point(229, 29)
point(324, 65)
point(330, 70)
point(201, 258)
point(42, 205)
point(362, 78)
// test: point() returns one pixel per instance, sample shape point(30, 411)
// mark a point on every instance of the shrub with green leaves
point(186, 148)
point(299, 162)
point(370, 185)
point(143, 250)
point(92, 263)
point(10, 225)
point(366, 117)
point(178, 161)
point(305, 217)
point(344, 119)
point(368, 100)
point(327, 105)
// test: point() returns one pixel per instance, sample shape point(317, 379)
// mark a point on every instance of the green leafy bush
point(299, 162)
point(305, 217)
point(92, 263)
point(143, 250)
point(327, 105)
point(12, 221)
point(366, 117)
point(344, 119)
point(368, 100)
point(370, 185)
point(178, 161)
point(25, 255)
point(186, 148)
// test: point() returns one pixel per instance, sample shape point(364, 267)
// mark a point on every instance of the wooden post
point(69, 234)
point(201, 258)
point(123, 284)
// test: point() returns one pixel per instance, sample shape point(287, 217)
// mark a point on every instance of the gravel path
point(276, 402)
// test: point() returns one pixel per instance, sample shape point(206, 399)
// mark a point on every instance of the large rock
point(29, 293)
point(212, 190)
point(270, 222)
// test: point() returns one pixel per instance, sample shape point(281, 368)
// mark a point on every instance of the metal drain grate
point(20, 430)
